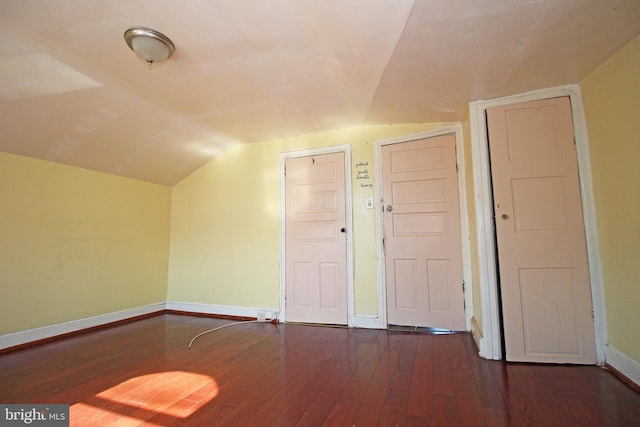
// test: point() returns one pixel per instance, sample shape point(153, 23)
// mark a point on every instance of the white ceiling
point(72, 92)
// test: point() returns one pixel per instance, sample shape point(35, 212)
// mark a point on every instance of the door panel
point(544, 275)
point(315, 253)
point(423, 257)
point(547, 310)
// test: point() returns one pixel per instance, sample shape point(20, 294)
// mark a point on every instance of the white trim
point(368, 321)
point(476, 333)
point(622, 363)
point(490, 346)
point(382, 294)
point(346, 149)
point(444, 129)
point(30, 335)
point(221, 310)
point(590, 225)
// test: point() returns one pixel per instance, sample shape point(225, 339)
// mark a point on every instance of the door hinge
point(456, 167)
point(593, 316)
point(285, 171)
point(464, 300)
point(574, 141)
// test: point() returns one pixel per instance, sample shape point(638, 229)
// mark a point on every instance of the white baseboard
point(484, 349)
point(18, 338)
point(359, 321)
point(23, 337)
point(476, 334)
point(367, 321)
point(222, 310)
point(622, 363)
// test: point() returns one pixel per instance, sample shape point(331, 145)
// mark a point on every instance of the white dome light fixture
point(150, 45)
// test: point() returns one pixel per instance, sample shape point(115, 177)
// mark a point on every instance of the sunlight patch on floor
point(174, 395)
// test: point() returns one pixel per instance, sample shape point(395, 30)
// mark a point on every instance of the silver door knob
point(389, 208)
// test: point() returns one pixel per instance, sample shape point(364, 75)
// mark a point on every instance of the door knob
point(505, 216)
point(389, 208)
point(343, 230)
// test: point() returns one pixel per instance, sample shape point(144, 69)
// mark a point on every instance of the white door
point(421, 216)
point(316, 248)
point(542, 256)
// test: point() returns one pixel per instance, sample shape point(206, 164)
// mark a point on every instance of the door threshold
point(421, 329)
point(326, 325)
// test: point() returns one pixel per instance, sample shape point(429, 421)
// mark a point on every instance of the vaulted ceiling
point(72, 92)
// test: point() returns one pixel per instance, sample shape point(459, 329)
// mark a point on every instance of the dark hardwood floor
point(294, 375)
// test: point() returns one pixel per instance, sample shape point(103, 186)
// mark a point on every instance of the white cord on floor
point(224, 326)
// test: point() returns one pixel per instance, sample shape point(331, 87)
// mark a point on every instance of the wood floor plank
point(419, 404)
point(468, 403)
point(444, 411)
point(319, 410)
point(396, 402)
point(442, 384)
point(498, 418)
point(395, 405)
point(370, 406)
point(369, 348)
point(142, 372)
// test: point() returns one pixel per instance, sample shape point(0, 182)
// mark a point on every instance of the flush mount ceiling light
point(150, 45)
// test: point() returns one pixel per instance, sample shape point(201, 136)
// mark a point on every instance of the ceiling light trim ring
point(148, 33)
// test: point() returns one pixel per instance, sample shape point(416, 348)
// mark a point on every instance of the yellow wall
point(225, 222)
point(611, 97)
point(76, 243)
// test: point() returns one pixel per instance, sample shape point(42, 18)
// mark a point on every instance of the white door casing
point(490, 342)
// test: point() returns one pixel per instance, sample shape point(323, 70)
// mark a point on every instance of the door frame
point(490, 337)
point(346, 149)
point(465, 242)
